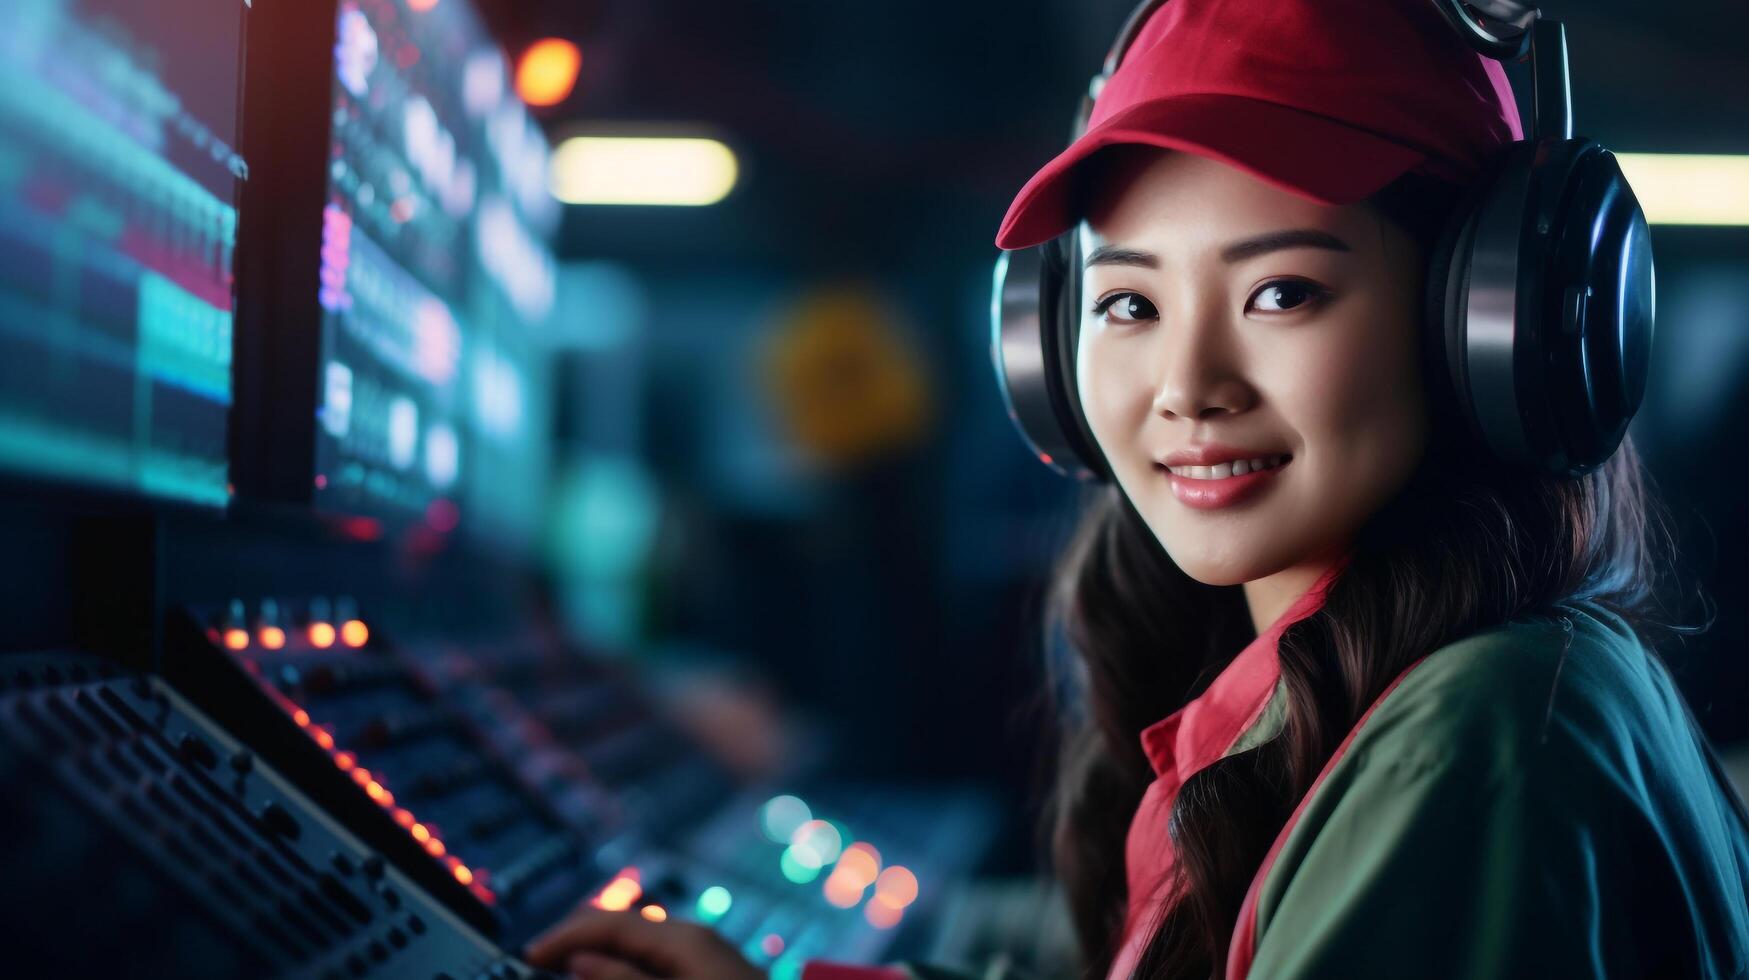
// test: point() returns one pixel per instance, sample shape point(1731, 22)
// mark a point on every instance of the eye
point(1130, 308)
point(1297, 294)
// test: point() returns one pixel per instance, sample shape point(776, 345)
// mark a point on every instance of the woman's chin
point(1220, 569)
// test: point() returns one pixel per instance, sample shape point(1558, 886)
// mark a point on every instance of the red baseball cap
point(1329, 99)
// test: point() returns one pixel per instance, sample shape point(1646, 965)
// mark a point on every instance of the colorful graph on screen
point(118, 195)
point(436, 277)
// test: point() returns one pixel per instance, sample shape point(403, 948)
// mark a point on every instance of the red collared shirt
point(1181, 745)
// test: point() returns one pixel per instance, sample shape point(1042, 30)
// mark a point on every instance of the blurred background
point(617, 375)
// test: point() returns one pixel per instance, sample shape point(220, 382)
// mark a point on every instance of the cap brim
point(1313, 156)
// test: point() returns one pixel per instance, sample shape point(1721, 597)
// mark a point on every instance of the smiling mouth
point(1222, 471)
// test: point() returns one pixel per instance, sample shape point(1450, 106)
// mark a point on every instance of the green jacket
point(1532, 801)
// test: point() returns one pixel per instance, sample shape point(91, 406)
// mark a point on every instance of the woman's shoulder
point(1531, 693)
point(1538, 784)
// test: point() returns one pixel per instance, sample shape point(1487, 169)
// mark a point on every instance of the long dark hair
point(1467, 545)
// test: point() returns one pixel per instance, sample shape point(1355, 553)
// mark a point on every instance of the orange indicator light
point(321, 635)
point(345, 760)
point(272, 637)
point(620, 893)
point(237, 639)
point(361, 776)
point(548, 71)
point(420, 832)
point(842, 890)
point(655, 913)
point(322, 737)
point(376, 792)
point(403, 818)
point(881, 915)
point(435, 848)
point(896, 887)
point(302, 717)
point(354, 633)
point(461, 872)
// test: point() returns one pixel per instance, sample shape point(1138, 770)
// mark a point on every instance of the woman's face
point(1192, 341)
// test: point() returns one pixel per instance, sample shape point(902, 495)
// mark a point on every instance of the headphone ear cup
point(1032, 342)
point(1540, 294)
point(1065, 326)
point(1599, 309)
point(1446, 291)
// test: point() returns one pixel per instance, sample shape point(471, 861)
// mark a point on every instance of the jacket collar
point(1199, 733)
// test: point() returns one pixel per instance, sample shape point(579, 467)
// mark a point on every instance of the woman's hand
point(597, 945)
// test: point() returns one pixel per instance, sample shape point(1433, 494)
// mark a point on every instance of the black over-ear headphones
point(1539, 290)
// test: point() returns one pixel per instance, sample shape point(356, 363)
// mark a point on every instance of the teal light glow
point(787, 967)
point(714, 903)
point(821, 838)
point(799, 864)
point(781, 815)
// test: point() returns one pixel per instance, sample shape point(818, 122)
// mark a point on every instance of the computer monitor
point(119, 175)
point(432, 278)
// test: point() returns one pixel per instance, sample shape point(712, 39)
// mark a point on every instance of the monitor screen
point(118, 215)
point(436, 278)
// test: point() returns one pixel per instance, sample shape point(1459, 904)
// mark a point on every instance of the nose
point(1200, 372)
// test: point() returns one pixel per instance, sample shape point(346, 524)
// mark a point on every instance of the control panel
point(182, 853)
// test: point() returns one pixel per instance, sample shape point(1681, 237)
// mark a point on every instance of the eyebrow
point(1238, 251)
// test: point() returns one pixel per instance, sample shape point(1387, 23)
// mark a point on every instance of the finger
point(594, 966)
point(630, 936)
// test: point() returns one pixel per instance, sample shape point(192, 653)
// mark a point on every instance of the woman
point(1444, 745)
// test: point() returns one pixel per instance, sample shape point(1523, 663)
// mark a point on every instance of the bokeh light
point(819, 837)
point(321, 635)
point(881, 915)
point(799, 865)
point(860, 863)
point(354, 633)
point(548, 71)
point(714, 903)
point(780, 816)
point(843, 890)
point(896, 887)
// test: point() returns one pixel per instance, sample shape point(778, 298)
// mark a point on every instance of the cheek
point(1114, 390)
point(1359, 404)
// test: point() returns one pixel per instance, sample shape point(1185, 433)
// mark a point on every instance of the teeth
point(1220, 471)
